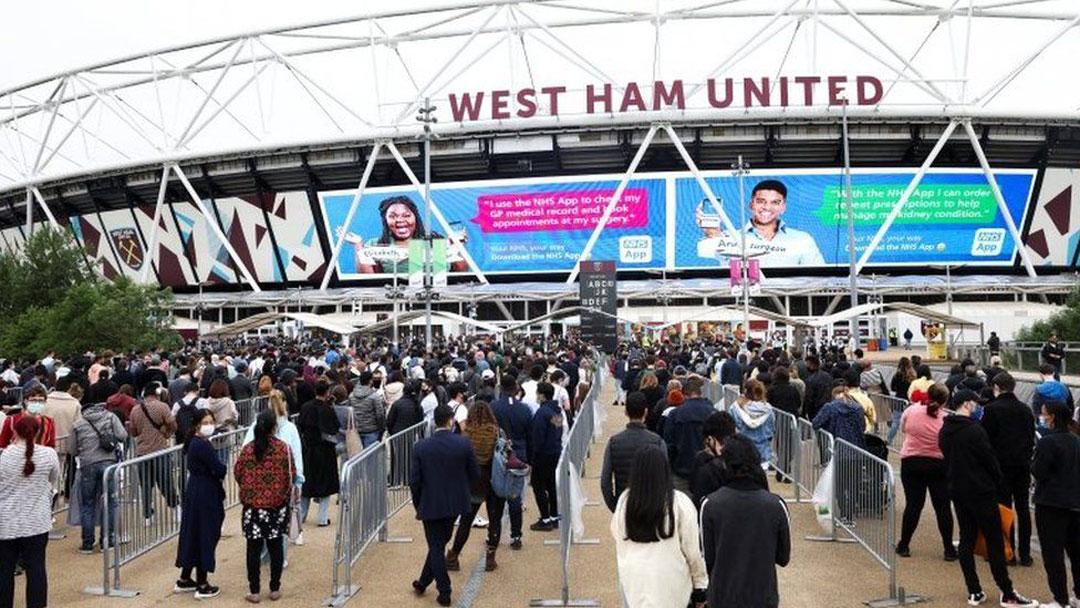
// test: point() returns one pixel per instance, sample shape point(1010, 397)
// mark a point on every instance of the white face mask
point(206, 430)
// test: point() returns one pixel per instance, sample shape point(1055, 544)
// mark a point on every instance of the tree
point(1066, 323)
point(53, 302)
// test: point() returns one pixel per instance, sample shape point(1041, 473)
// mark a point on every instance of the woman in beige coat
point(656, 539)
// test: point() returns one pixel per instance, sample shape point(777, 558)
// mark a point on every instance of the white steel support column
point(692, 166)
point(1002, 207)
point(151, 244)
point(610, 208)
point(29, 214)
point(44, 207)
point(895, 213)
point(332, 266)
point(195, 198)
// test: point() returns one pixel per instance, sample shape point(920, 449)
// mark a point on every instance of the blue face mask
point(35, 407)
point(977, 413)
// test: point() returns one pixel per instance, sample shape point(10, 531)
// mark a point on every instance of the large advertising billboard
point(800, 218)
point(793, 219)
point(519, 226)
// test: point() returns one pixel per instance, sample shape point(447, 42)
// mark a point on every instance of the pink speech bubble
point(565, 210)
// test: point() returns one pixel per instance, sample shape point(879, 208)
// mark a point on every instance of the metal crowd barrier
point(374, 487)
point(815, 452)
point(14, 392)
point(864, 508)
point(786, 453)
point(572, 461)
point(361, 519)
point(248, 409)
point(888, 410)
point(730, 395)
point(142, 495)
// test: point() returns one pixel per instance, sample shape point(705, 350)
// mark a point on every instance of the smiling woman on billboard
point(401, 223)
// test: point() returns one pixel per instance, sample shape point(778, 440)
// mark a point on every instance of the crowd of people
point(687, 484)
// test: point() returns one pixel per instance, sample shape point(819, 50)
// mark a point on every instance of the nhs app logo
point(988, 242)
point(635, 249)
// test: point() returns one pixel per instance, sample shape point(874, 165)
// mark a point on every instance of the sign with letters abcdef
point(600, 300)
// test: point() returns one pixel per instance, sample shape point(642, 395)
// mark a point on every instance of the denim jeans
point(894, 426)
point(91, 487)
point(367, 439)
point(324, 509)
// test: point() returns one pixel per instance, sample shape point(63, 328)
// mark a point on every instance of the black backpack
point(185, 420)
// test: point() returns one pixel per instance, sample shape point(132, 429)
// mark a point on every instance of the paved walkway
point(820, 574)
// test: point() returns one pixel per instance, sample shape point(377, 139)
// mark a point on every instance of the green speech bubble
point(929, 204)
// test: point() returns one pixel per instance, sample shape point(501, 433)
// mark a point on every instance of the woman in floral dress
point(264, 471)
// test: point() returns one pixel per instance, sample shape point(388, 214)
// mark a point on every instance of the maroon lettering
point(665, 97)
point(591, 99)
point(869, 99)
point(751, 91)
point(728, 93)
point(632, 97)
point(500, 100)
point(553, 98)
point(836, 91)
point(526, 99)
point(783, 92)
point(808, 83)
point(468, 108)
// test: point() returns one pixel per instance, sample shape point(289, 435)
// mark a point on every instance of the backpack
point(185, 420)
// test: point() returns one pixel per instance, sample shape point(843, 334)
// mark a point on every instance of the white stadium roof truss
point(362, 79)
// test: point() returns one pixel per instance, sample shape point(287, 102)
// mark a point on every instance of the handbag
point(1008, 516)
point(506, 482)
point(353, 445)
point(105, 445)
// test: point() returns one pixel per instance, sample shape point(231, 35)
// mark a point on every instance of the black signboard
point(600, 303)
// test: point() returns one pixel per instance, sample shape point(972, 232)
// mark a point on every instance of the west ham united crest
point(128, 247)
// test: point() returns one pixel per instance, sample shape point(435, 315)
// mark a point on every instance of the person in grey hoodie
point(754, 419)
point(369, 410)
point(98, 436)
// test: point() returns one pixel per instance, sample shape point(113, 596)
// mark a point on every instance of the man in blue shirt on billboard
point(782, 244)
point(767, 235)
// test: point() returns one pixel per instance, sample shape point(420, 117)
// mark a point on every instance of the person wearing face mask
point(202, 512)
point(974, 477)
point(1057, 502)
point(1011, 428)
point(33, 406)
point(98, 435)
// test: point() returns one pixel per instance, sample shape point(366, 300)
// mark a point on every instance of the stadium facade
point(249, 166)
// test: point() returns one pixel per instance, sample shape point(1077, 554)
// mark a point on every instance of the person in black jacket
point(1011, 428)
point(623, 447)
point(731, 371)
point(682, 432)
point(974, 476)
point(743, 519)
point(784, 397)
point(1057, 500)
point(442, 470)
point(709, 469)
point(515, 418)
point(819, 386)
point(545, 446)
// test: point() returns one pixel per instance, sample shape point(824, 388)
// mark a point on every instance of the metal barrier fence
point(14, 393)
point(140, 500)
point(730, 394)
point(571, 462)
point(815, 452)
point(786, 452)
point(374, 487)
point(888, 410)
point(361, 519)
point(248, 409)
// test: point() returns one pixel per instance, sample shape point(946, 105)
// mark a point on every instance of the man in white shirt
point(456, 391)
point(529, 388)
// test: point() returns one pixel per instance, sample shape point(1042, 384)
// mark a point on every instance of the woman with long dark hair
point(656, 538)
point(401, 223)
point(27, 474)
point(203, 510)
point(1056, 469)
point(901, 381)
point(922, 469)
point(264, 471)
point(482, 432)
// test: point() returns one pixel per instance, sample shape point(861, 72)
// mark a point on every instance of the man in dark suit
point(443, 469)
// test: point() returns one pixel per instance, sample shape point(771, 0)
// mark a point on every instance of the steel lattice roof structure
point(302, 107)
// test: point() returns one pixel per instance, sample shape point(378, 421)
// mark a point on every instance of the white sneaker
point(1051, 605)
point(285, 564)
point(480, 522)
point(1018, 601)
point(299, 539)
point(975, 599)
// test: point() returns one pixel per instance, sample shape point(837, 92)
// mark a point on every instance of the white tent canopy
point(914, 310)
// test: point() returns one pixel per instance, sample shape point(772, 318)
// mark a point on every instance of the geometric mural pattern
point(1053, 235)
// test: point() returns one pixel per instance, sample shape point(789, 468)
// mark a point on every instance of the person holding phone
point(401, 223)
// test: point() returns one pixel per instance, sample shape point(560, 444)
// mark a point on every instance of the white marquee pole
point(999, 197)
point(151, 244)
point(610, 208)
point(899, 206)
point(332, 266)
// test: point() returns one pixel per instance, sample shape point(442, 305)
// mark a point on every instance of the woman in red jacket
point(35, 403)
point(264, 472)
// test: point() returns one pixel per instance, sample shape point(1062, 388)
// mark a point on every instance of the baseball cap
point(487, 374)
point(963, 396)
